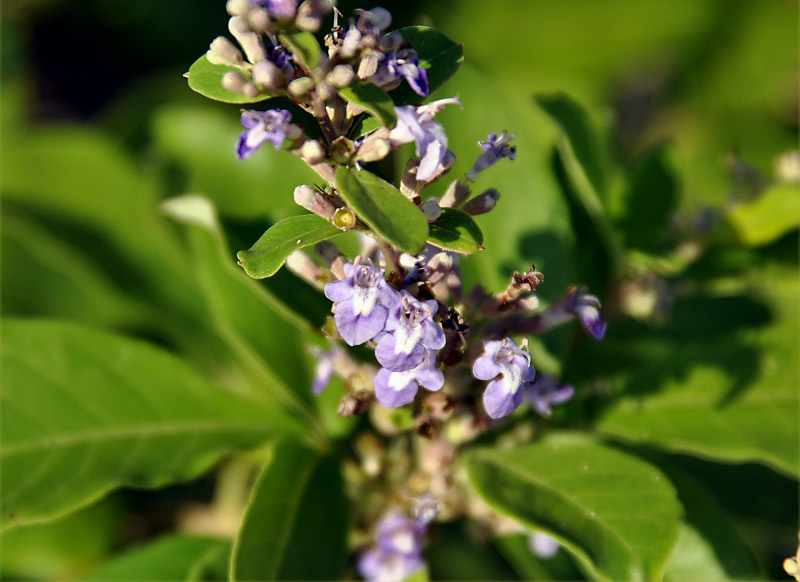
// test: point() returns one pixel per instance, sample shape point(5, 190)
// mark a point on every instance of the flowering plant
point(406, 384)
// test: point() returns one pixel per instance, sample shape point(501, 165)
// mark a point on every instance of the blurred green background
point(98, 126)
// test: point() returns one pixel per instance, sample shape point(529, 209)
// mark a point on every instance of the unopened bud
point(353, 404)
point(250, 90)
point(455, 195)
point(344, 219)
point(482, 203)
point(258, 19)
point(234, 82)
point(270, 77)
point(249, 40)
point(314, 201)
point(293, 132)
point(304, 267)
point(375, 146)
point(299, 88)
point(368, 66)
point(341, 76)
point(326, 91)
point(238, 7)
point(431, 210)
point(312, 152)
point(221, 51)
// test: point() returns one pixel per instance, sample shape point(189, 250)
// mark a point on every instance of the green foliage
point(373, 99)
point(438, 55)
point(283, 238)
point(295, 525)
point(618, 515)
point(771, 215)
point(206, 79)
point(304, 48)
point(383, 208)
point(456, 231)
point(119, 412)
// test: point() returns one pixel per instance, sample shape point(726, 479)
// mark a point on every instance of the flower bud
point(304, 267)
point(326, 91)
point(482, 203)
point(344, 219)
point(299, 88)
point(375, 146)
point(250, 90)
point(312, 152)
point(221, 51)
point(314, 201)
point(353, 404)
point(368, 66)
point(294, 132)
point(249, 40)
point(234, 82)
point(455, 195)
point(270, 77)
point(238, 7)
point(341, 76)
point(258, 19)
point(431, 210)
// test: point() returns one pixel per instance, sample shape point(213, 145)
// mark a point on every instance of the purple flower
point(402, 64)
point(395, 389)
point(417, 124)
point(509, 369)
point(363, 300)
point(324, 369)
point(496, 148)
point(587, 309)
point(545, 392)
point(412, 330)
point(397, 552)
point(262, 126)
point(281, 9)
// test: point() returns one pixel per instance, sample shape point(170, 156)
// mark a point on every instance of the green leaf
point(283, 238)
point(206, 79)
point(709, 547)
point(438, 55)
point(168, 558)
point(720, 381)
point(296, 522)
point(772, 214)
point(517, 550)
point(373, 99)
point(384, 208)
point(456, 231)
point(84, 412)
point(304, 48)
point(617, 514)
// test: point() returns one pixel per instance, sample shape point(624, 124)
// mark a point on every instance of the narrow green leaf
point(373, 99)
point(304, 48)
point(206, 79)
point(438, 55)
point(283, 238)
point(456, 231)
point(84, 412)
point(617, 514)
point(297, 508)
point(383, 208)
point(772, 214)
point(168, 558)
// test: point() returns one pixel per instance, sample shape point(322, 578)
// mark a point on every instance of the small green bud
point(344, 219)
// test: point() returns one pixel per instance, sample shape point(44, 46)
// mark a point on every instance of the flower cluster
point(397, 551)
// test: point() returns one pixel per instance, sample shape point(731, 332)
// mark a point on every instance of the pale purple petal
point(498, 401)
point(393, 389)
point(338, 290)
point(431, 378)
point(356, 329)
point(262, 126)
point(397, 362)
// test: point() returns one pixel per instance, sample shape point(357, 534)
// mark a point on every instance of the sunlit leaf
point(438, 55)
point(456, 231)
point(373, 99)
point(617, 514)
point(384, 208)
point(304, 48)
point(206, 79)
point(295, 525)
point(84, 412)
point(772, 214)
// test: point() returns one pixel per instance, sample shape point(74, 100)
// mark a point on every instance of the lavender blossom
point(587, 309)
point(496, 148)
point(545, 392)
point(402, 64)
point(417, 124)
point(281, 9)
point(324, 369)
point(509, 369)
point(363, 300)
point(395, 389)
point(412, 331)
point(397, 552)
point(262, 126)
